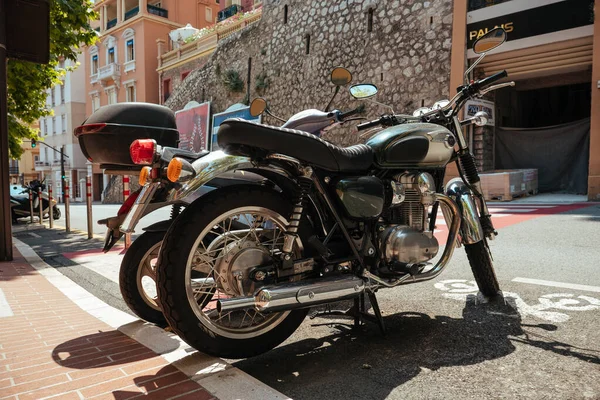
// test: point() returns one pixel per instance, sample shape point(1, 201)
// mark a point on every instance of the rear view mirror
point(489, 41)
point(341, 76)
point(363, 91)
point(258, 106)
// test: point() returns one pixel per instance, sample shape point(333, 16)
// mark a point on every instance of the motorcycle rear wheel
point(483, 269)
point(197, 259)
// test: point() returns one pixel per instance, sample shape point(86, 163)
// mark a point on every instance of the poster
point(474, 106)
point(235, 111)
point(193, 123)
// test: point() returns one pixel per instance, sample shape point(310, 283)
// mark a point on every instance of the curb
point(214, 374)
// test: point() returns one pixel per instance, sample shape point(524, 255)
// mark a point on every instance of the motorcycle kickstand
point(377, 318)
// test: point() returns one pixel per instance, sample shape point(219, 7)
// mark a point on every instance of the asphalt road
point(540, 342)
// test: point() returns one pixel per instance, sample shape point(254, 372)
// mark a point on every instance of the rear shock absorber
point(305, 186)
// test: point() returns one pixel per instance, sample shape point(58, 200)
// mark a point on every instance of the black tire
point(173, 259)
point(483, 269)
point(129, 278)
point(56, 212)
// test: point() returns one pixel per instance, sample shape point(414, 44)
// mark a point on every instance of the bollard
point(31, 205)
point(125, 196)
point(67, 201)
point(50, 210)
point(41, 203)
point(88, 200)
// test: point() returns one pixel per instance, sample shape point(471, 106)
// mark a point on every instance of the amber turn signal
point(174, 169)
point(144, 174)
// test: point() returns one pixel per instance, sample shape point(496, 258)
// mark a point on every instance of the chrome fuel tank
point(413, 145)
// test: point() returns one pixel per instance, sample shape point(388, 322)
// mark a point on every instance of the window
point(129, 51)
point(370, 20)
point(53, 124)
point(61, 64)
point(111, 56)
point(62, 93)
point(208, 15)
point(94, 64)
point(184, 75)
point(52, 97)
point(130, 92)
point(95, 102)
point(166, 89)
point(63, 123)
point(45, 127)
point(307, 38)
point(285, 14)
point(36, 158)
point(112, 95)
point(45, 154)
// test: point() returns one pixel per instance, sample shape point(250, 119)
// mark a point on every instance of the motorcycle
point(137, 273)
point(20, 207)
point(239, 269)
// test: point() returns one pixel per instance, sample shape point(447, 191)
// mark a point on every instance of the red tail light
point(142, 151)
point(89, 128)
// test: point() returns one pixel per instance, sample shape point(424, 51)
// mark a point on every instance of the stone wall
point(113, 193)
point(407, 55)
point(174, 74)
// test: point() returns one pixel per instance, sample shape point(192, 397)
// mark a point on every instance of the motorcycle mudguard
point(470, 227)
point(161, 226)
point(207, 168)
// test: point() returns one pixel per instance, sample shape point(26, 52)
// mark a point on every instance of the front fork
point(468, 169)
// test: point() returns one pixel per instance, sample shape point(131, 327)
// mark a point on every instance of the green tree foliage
point(27, 82)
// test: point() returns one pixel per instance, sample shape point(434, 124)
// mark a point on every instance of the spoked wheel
point(137, 277)
point(209, 254)
point(483, 269)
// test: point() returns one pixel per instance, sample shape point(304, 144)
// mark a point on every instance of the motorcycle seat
point(240, 137)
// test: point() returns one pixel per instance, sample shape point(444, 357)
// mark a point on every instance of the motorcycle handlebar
point(489, 80)
point(347, 114)
point(367, 125)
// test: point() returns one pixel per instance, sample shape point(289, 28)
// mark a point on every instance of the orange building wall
point(594, 171)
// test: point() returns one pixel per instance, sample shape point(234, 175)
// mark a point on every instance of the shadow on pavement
point(371, 366)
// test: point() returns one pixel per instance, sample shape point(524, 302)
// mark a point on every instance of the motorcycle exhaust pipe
point(297, 295)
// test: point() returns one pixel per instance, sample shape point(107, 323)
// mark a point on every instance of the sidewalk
point(59, 341)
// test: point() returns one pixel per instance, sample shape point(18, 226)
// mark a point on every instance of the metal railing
point(161, 12)
point(228, 12)
point(13, 170)
point(132, 13)
point(110, 24)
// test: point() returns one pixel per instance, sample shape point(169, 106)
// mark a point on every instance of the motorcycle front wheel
point(483, 269)
point(208, 254)
point(137, 277)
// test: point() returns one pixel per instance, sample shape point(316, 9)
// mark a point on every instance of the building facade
point(67, 100)
point(550, 120)
point(23, 170)
point(121, 67)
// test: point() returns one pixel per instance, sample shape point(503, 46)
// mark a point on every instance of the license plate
point(137, 210)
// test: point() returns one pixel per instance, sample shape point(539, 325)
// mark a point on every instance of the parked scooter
point(20, 207)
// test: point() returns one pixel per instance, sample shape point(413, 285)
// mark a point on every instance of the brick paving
point(51, 348)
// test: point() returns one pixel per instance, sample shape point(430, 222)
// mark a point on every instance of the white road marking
point(463, 290)
point(5, 310)
point(573, 286)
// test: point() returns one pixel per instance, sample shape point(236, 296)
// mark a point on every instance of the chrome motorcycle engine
point(405, 237)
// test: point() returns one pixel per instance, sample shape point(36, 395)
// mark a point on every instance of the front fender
point(207, 168)
point(470, 228)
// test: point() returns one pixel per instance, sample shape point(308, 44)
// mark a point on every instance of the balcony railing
point(228, 12)
point(13, 170)
point(161, 12)
point(110, 24)
point(132, 13)
point(110, 71)
point(56, 162)
point(207, 42)
point(42, 164)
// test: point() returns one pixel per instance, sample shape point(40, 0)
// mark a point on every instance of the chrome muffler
point(297, 295)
